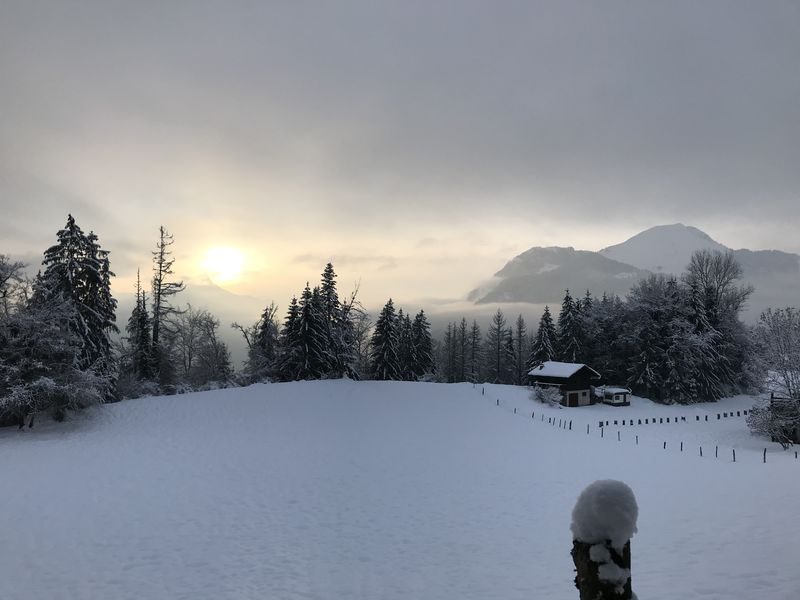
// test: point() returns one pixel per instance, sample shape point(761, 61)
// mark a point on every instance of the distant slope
point(541, 275)
point(662, 249)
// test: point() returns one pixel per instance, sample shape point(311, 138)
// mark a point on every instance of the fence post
point(765, 456)
point(619, 439)
point(665, 445)
point(681, 446)
point(637, 440)
point(701, 451)
point(716, 451)
point(515, 410)
point(603, 522)
point(498, 402)
point(734, 455)
point(587, 433)
point(570, 424)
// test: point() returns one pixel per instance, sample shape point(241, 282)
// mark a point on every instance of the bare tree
point(11, 284)
point(715, 275)
point(778, 339)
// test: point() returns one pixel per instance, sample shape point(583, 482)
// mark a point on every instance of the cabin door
point(572, 399)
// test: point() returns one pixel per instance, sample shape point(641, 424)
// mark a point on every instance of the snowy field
point(334, 490)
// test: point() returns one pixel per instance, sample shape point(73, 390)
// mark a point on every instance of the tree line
point(674, 340)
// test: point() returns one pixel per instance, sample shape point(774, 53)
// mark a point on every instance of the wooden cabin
point(573, 380)
point(614, 396)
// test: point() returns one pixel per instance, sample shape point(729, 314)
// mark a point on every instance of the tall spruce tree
point(312, 336)
point(423, 345)
point(475, 353)
point(544, 344)
point(496, 348)
point(520, 351)
point(77, 270)
point(138, 330)
point(290, 359)
point(384, 360)
point(569, 330)
point(406, 353)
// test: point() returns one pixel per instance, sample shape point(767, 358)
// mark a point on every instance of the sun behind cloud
point(223, 264)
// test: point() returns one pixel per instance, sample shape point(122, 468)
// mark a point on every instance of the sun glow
point(223, 264)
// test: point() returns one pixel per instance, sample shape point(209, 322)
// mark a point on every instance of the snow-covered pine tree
point(423, 345)
point(340, 326)
point(570, 340)
point(462, 340)
point(77, 271)
point(520, 351)
point(544, 344)
point(312, 336)
point(384, 361)
point(406, 354)
point(138, 329)
point(496, 346)
point(475, 353)
point(40, 355)
point(289, 355)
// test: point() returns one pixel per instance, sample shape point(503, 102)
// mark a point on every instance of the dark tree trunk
point(587, 579)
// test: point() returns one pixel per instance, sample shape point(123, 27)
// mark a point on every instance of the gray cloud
point(335, 115)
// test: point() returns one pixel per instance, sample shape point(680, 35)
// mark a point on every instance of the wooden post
point(765, 456)
point(716, 451)
point(603, 567)
point(681, 446)
point(498, 402)
point(515, 410)
point(665, 445)
point(570, 424)
point(637, 440)
point(602, 429)
point(734, 455)
point(701, 451)
point(619, 439)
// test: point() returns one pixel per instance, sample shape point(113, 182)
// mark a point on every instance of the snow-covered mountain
point(662, 249)
point(540, 275)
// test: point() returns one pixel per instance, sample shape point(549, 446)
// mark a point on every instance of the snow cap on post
point(605, 511)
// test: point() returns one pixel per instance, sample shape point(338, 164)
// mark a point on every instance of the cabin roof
point(559, 370)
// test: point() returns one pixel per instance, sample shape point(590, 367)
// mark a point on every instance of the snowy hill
point(662, 249)
point(340, 489)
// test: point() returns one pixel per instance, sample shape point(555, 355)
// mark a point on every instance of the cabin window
point(616, 397)
point(583, 394)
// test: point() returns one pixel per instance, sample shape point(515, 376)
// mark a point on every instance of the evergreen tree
point(543, 348)
point(520, 350)
point(475, 353)
point(138, 330)
point(312, 336)
point(406, 353)
point(461, 351)
point(77, 271)
point(496, 348)
point(384, 344)
point(569, 331)
point(423, 345)
point(290, 359)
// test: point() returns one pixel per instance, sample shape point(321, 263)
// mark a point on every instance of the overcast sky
point(419, 145)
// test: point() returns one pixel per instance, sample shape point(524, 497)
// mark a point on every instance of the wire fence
point(602, 427)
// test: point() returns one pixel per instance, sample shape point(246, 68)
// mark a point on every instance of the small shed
point(615, 396)
point(573, 380)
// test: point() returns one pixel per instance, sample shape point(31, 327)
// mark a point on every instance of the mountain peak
point(663, 249)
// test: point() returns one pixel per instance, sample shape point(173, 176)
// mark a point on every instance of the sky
point(417, 145)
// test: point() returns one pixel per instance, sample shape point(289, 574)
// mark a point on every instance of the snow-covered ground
point(382, 490)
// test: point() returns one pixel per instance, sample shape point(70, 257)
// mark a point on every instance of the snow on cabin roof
point(552, 368)
point(613, 390)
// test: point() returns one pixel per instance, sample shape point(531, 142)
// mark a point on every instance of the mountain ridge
point(541, 274)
